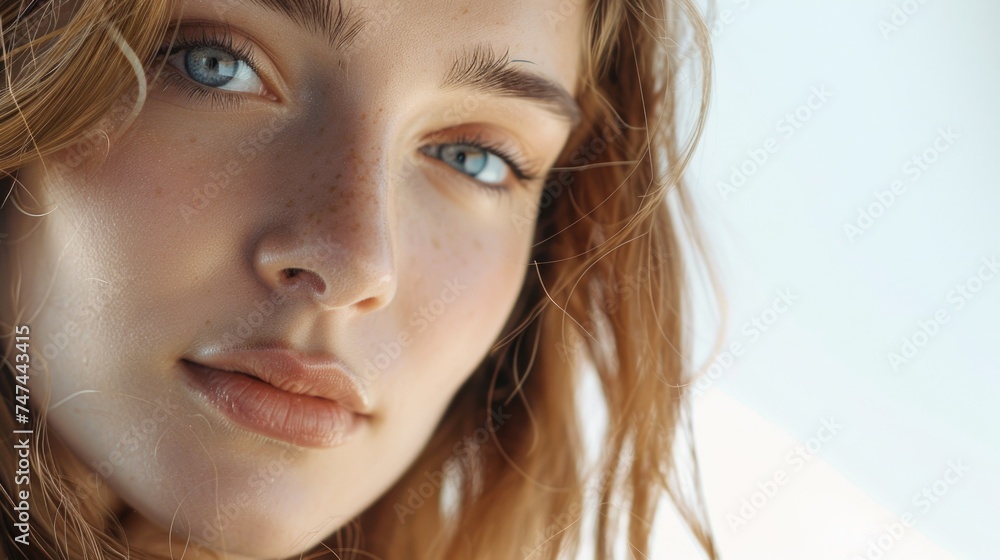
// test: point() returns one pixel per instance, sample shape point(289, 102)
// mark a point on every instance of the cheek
point(482, 280)
point(466, 279)
point(94, 271)
point(131, 240)
point(94, 263)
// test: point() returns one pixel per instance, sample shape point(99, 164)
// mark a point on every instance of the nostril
point(302, 276)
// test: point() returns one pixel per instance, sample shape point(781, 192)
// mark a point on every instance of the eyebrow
point(323, 17)
point(481, 69)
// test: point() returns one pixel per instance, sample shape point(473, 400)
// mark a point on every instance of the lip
point(309, 401)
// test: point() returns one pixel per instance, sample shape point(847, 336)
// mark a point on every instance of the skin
point(341, 191)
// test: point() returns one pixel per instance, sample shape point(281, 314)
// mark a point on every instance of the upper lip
point(318, 375)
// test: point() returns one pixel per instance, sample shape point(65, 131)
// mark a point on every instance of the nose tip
point(329, 273)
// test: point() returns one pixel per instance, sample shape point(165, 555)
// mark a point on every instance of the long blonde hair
point(607, 293)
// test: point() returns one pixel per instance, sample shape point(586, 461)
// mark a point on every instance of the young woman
point(305, 278)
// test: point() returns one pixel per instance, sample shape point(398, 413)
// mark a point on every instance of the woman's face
point(327, 203)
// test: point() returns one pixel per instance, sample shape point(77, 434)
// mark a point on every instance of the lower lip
point(259, 407)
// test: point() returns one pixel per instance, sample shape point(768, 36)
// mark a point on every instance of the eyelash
point(517, 164)
point(223, 40)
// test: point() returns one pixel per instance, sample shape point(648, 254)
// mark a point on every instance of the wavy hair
point(606, 298)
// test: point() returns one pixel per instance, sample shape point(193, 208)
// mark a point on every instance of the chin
point(245, 533)
point(264, 540)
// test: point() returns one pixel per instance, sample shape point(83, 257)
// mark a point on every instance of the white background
point(827, 356)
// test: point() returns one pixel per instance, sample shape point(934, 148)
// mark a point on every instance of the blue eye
point(477, 162)
point(207, 61)
point(216, 68)
point(486, 161)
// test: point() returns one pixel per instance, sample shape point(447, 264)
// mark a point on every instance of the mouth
point(275, 393)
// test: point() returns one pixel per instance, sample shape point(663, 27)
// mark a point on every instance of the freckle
point(364, 116)
point(477, 244)
point(436, 243)
point(300, 189)
point(322, 129)
point(465, 10)
point(312, 176)
point(316, 152)
point(337, 176)
point(193, 139)
point(159, 190)
point(290, 203)
point(208, 322)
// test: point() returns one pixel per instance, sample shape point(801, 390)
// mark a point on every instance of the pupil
point(209, 66)
point(467, 159)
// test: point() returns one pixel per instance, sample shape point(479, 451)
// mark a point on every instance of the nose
point(340, 252)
